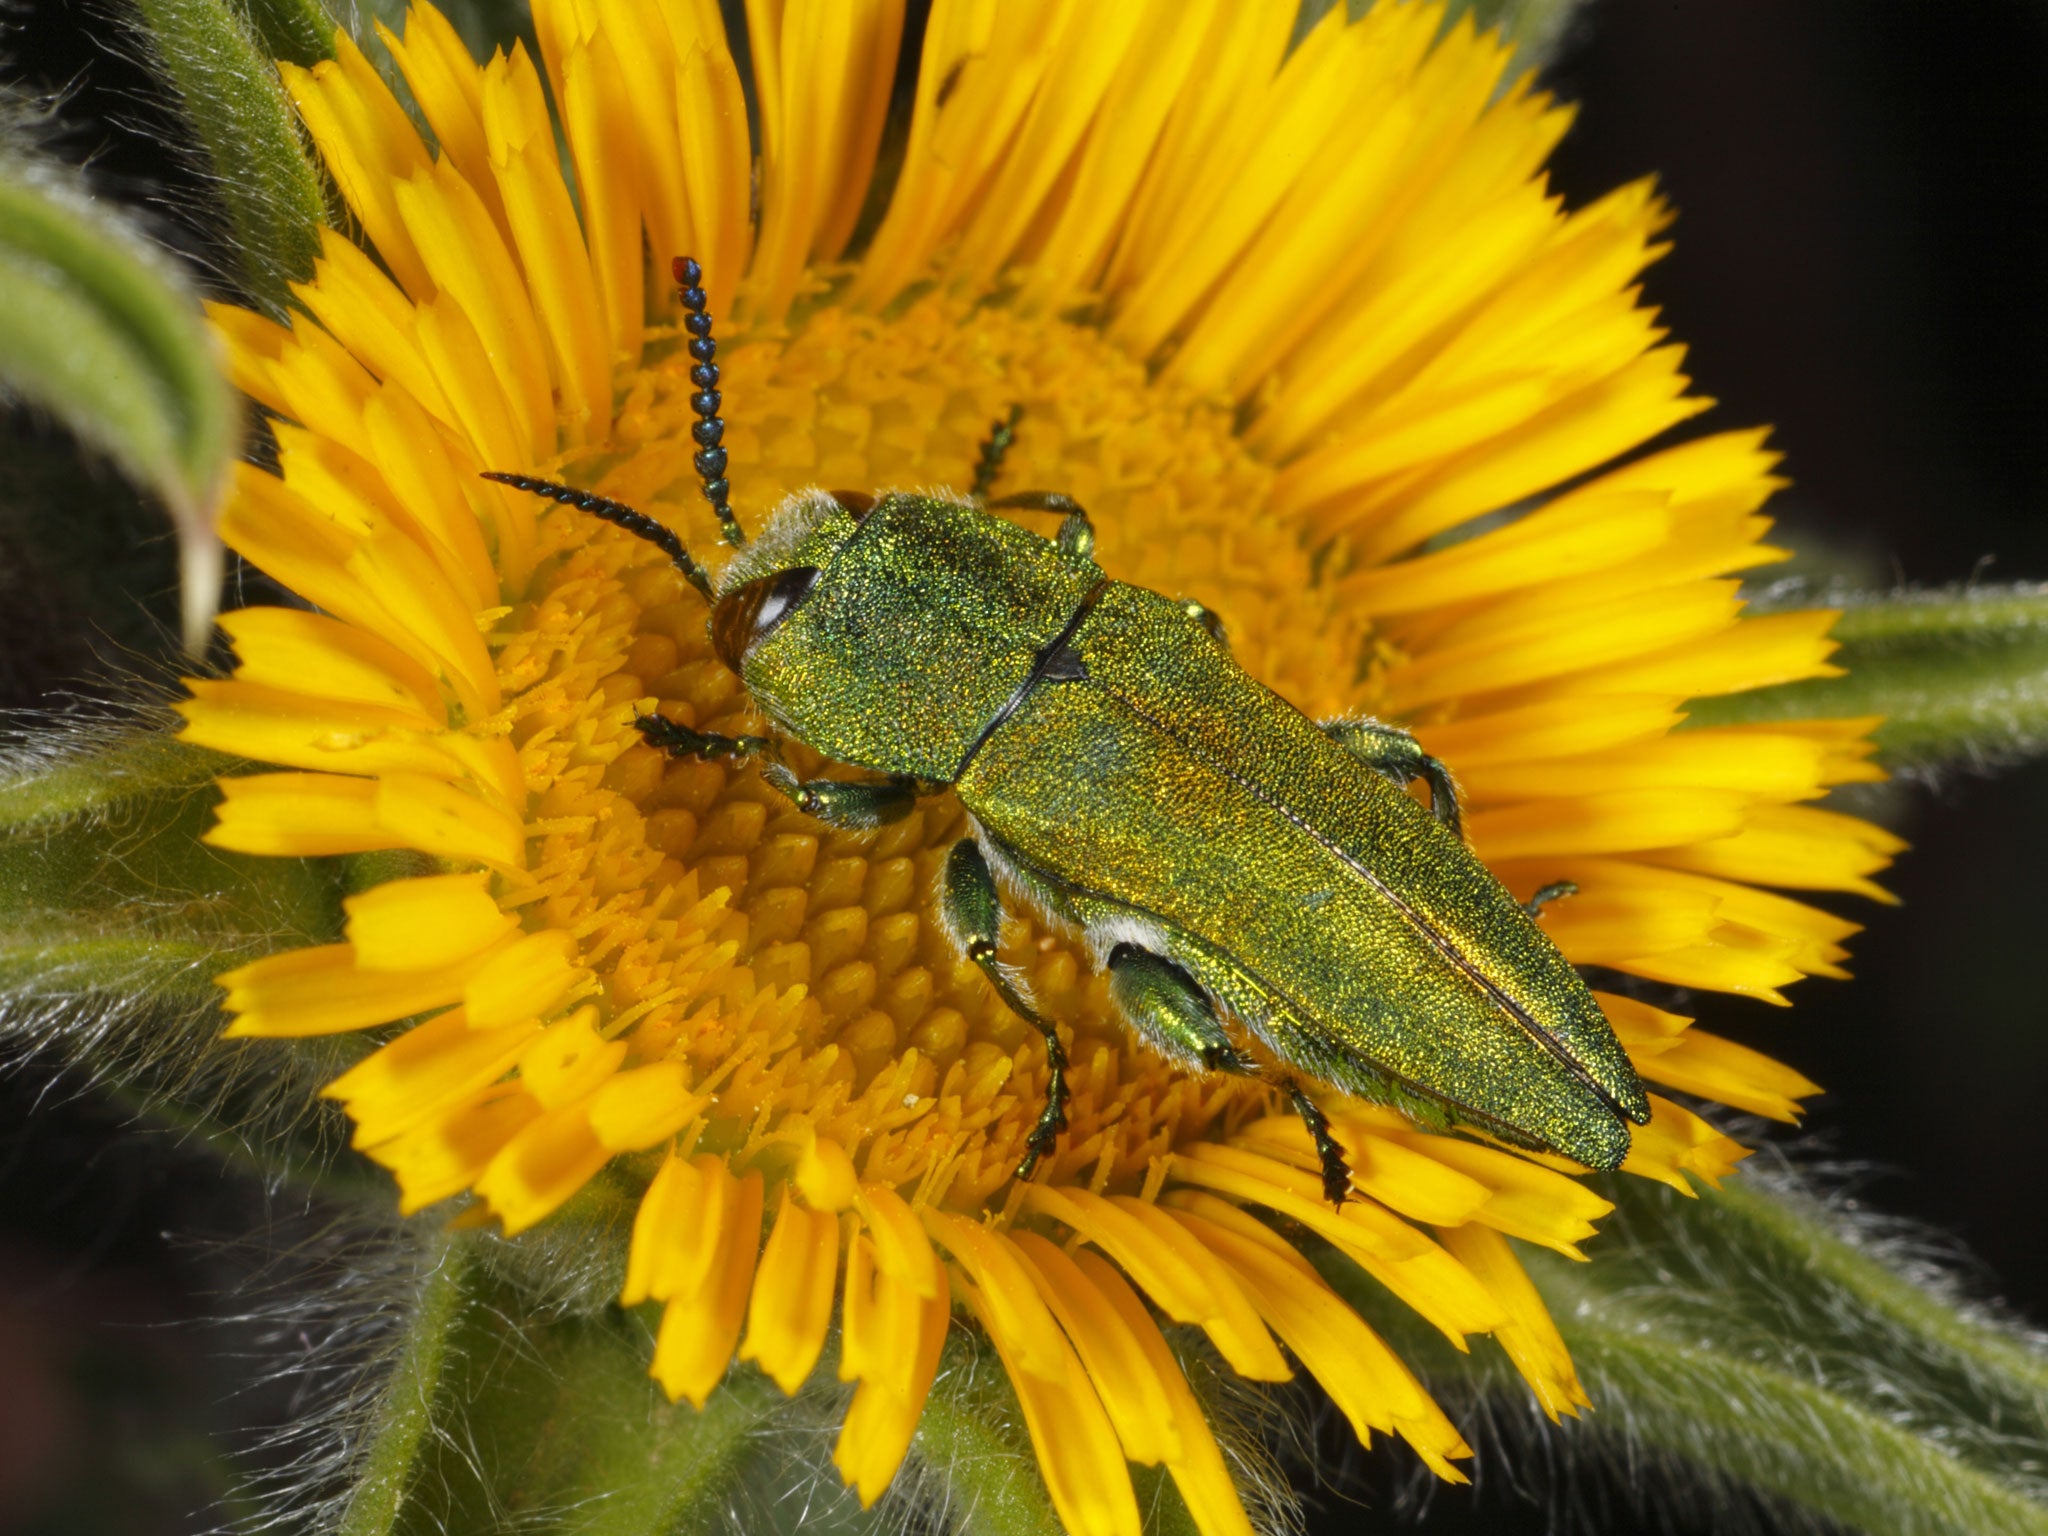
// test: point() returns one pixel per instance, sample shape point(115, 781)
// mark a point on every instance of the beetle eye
point(750, 614)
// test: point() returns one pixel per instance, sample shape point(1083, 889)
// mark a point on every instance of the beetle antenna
point(709, 429)
point(1001, 433)
point(619, 515)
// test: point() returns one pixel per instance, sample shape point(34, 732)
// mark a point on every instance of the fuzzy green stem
point(275, 201)
point(405, 1414)
point(971, 1446)
point(1960, 676)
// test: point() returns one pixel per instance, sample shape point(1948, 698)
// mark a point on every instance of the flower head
point(1354, 379)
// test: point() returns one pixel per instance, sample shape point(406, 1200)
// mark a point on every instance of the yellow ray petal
point(1177, 1278)
point(1677, 1142)
point(447, 85)
point(1529, 1336)
point(1365, 1379)
point(1077, 1447)
point(426, 1070)
point(699, 1329)
point(323, 991)
point(302, 815)
point(791, 1309)
point(542, 226)
point(1796, 846)
point(368, 145)
point(309, 652)
point(1199, 1472)
point(1132, 1394)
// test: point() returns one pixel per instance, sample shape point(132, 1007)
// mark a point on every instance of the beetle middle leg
point(1395, 754)
point(973, 910)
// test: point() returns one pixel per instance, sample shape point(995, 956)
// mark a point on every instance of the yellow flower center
point(893, 1029)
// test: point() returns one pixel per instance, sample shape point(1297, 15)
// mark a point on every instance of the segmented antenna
point(710, 426)
point(1001, 433)
point(619, 515)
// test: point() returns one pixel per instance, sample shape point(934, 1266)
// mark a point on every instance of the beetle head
point(775, 574)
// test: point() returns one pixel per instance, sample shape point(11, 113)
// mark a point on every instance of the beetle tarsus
point(1052, 1119)
point(1557, 888)
point(1336, 1169)
point(677, 740)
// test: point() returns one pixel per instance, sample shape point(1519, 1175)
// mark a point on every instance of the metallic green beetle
point(1220, 852)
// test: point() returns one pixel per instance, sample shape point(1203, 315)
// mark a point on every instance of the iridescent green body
point(1130, 778)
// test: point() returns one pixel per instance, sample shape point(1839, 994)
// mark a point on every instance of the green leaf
point(101, 331)
point(275, 200)
point(499, 1415)
point(114, 920)
point(1960, 675)
point(301, 31)
point(1755, 1342)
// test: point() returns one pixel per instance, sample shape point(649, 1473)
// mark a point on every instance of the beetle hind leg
point(973, 910)
point(1336, 1168)
point(1395, 754)
point(1168, 1007)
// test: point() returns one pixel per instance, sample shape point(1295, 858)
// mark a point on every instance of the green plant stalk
point(237, 106)
point(1960, 676)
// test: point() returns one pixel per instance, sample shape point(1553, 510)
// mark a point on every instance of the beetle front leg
point(665, 735)
point(973, 910)
point(851, 804)
point(1394, 754)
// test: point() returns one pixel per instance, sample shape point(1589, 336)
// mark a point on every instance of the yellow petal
point(791, 1308)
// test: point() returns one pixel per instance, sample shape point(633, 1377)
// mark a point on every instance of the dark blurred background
point(1862, 259)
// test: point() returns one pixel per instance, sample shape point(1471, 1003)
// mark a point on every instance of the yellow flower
point(1288, 323)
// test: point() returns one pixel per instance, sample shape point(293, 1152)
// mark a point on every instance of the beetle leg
point(1535, 904)
point(973, 910)
point(1167, 1006)
point(1206, 617)
point(1393, 753)
point(989, 462)
point(851, 804)
point(1336, 1169)
point(680, 741)
point(1077, 533)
